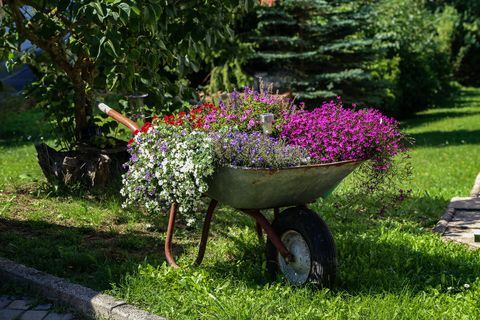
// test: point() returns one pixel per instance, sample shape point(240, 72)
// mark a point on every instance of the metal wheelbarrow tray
point(255, 188)
point(299, 243)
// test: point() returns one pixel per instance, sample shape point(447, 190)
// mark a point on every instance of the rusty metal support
point(267, 227)
point(258, 228)
point(168, 240)
point(205, 230)
point(276, 212)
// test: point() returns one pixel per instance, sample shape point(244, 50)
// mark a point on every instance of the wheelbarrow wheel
point(311, 243)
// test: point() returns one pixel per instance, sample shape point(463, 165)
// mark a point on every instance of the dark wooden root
point(89, 166)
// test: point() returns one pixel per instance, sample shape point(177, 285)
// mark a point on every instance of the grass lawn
point(391, 266)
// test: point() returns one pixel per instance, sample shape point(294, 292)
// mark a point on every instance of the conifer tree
point(316, 49)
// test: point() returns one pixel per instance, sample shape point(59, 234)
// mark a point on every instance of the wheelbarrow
point(299, 243)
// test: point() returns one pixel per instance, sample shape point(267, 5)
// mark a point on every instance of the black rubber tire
point(315, 232)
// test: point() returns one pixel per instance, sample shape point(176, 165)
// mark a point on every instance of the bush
point(417, 65)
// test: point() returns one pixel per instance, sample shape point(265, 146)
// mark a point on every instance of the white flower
point(178, 175)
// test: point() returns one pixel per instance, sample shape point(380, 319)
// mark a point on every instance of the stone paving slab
point(34, 315)
point(461, 219)
point(24, 308)
point(10, 314)
point(83, 300)
point(463, 226)
point(465, 203)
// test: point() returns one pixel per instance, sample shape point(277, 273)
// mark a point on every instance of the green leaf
point(102, 40)
point(109, 43)
point(135, 10)
point(125, 8)
point(98, 7)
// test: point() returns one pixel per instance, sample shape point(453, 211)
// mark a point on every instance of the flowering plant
point(242, 110)
point(172, 158)
point(168, 163)
point(333, 133)
point(196, 116)
point(255, 150)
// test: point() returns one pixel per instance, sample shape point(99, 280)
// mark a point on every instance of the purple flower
point(334, 133)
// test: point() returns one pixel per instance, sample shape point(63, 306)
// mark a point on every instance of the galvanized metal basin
point(250, 188)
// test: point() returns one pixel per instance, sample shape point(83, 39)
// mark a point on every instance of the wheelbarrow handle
point(120, 118)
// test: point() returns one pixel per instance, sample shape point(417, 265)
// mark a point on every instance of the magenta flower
point(333, 133)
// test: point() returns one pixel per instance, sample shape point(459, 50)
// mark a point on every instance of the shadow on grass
point(85, 255)
point(376, 255)
point(439, 138)
point(468, 97)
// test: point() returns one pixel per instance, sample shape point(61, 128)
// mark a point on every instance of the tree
point(316, 49)
point(466, 43)
point(92, 46)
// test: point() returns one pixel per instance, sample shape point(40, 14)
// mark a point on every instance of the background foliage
point(92, 49)
point(397, 55)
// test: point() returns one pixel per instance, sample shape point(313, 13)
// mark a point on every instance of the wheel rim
point(298, 271)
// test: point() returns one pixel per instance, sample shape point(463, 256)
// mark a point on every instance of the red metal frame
point(261, 224)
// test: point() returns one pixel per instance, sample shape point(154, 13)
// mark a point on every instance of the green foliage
point(316, 49)
point(94, 49)
point(417, 65)
point(466, 44)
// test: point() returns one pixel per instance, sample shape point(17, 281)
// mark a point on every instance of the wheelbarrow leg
point(206, 229)
point(168, 240)
point(267, 227)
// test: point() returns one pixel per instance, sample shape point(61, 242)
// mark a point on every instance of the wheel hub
point(298, 270)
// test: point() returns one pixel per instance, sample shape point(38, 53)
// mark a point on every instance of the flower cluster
point(333, 133)
point(255, 150)
point(167, 164)
point(196, 116)
point(242, 110)
point(173, 157)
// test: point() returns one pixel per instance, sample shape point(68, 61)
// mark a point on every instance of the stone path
point(461, 220)
point(16, 308)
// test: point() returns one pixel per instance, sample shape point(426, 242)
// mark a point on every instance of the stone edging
point(81, 299)
point(476, 187)
point(457, 203)
point(442, 225)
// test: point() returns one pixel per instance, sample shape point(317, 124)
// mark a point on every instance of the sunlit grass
point(390, 267)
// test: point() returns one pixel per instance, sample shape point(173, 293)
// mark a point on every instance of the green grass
point(391, 266)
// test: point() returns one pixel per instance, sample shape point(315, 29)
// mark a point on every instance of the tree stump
point(90, 166)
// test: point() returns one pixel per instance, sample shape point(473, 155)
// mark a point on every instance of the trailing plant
point(168, 163)
point(332, 133)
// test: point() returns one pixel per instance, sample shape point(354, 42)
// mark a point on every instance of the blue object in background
point(19, 78)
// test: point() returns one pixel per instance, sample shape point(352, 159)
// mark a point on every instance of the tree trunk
point(83, 109)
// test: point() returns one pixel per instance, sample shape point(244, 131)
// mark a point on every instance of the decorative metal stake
point(266, 120)
point(135, 100)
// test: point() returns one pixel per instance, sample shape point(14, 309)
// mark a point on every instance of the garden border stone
point(457, 203)
point(84, 300)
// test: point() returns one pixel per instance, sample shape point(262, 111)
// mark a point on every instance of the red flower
point(130, 141)
point(146, 126)
point(155, 117)
point(136, 132)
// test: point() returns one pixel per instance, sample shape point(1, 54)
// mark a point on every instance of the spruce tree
point(316, 49)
